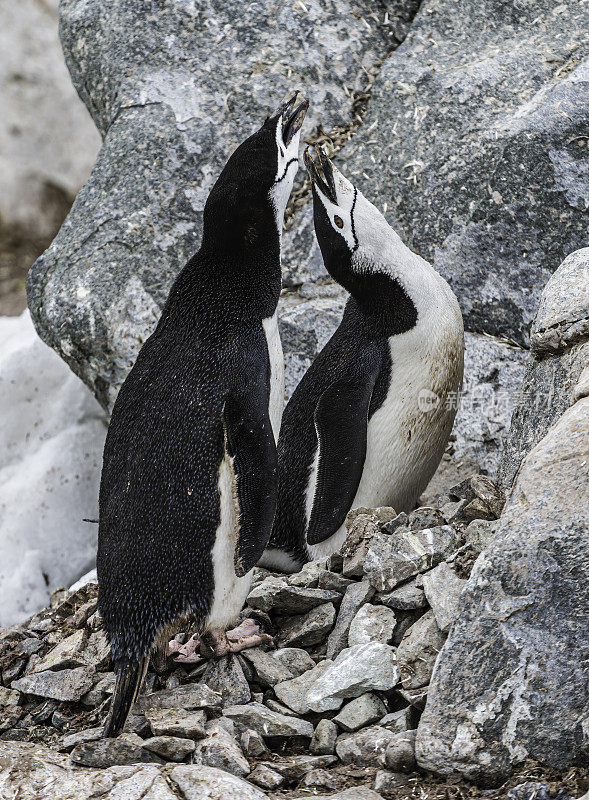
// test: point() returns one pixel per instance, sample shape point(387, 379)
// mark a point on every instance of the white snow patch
point(51, 438)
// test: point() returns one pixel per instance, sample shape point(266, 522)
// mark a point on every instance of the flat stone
point(189, 697)
point(418, 651)
point(308, 629)
point(172, 748)
point(355, 671)
point(80, 737)
point(252, 744)
point(294, 692)
point(407, 597)
point(67, 654)
point(225, 676)
point(400, 753)
point(8, 697)
point(126, 749)
point(317, 779)
point(292, 768)
point(333, 581)
point(219, 749)
point(277, 595)
point(324, 738)
point(442, 587)
point(365, 748)
point(308, 577)
point(372, 623)
point(359, 713)
point(355, 793)
point(269, 669)
point(393, 559)
point(389, 783)
point(265, 777)
point(177, 722)
point(101, 690)
point(268, 723)
point(68, 684)
point(356, 595)
point(424, 517)
point(209, 783)
point(416, 697)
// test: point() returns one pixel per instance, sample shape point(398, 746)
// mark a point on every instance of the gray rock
point(295, 692)
point(308, 577)
point(265, 777)
point(356, 595)
point(225, 676)
point(68, 653)
point(389, 783)
point(252, 744)
point(268, 723)
point(8, 697)
point(355, 793)
point(372, 624)
point(276, 595)
point(407, 597)
point(268, 668)
point(417, 653)
point(361, 530)
point(189, 697)
point(308, 629)
point(293, 768)
point(400, 753)
point(209, 783)
point(398, 721)
point(527, 600)
point(219, 749)
point(442, 587)
point(172, 748)
point(423, 517)
point(560, 352)
point(166, 136)
point(324, 738)
point(68, 684)
point(294, 659)
point(359, 713)
point(102, 689)
point(393, 559)
point(416, 697)
point(366, 748)
point(512, 162)
point(80, 737)
point(480, 533)
point(126, 749)
point(317, 779)
point(333, 581)
point(356, 670)
point(177, 722)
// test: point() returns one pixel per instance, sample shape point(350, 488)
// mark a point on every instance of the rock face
point(485, 171)
point(206, 77)
point(47, 140)
point(559, 353)
point(51, 433)
point(526, 604)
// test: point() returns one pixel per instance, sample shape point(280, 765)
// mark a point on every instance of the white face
point(288, 164)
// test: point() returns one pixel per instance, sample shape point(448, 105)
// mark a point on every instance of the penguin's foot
point(217, 643)
point(186, 653)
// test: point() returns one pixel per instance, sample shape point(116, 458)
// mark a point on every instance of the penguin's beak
point(292, 113)
point(320, 171)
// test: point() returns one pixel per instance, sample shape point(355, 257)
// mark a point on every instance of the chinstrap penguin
point(188, 489)
point(369, 421)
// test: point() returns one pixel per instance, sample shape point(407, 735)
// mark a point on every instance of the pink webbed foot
point(217, 643)
point(186, 653)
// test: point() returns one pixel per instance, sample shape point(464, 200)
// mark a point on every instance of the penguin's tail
point(130, 677)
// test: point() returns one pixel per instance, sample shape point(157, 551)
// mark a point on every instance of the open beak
point(292, 111)
point(321, 172)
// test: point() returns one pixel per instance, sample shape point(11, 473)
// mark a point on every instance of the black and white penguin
point(188, 490)
point(369, 421)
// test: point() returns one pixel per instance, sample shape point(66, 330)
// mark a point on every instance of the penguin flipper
point(341, 422)
point(251, 444)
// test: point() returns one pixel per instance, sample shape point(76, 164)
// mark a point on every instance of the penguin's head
point(360, 249)
point(249, 197)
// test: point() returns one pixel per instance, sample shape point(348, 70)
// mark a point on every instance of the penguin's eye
point(338, 221)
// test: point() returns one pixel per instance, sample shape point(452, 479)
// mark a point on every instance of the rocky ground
point(334, 706)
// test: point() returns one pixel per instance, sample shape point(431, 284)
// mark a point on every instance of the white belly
point(270, 326)
point(230, 592)
point(406, 437)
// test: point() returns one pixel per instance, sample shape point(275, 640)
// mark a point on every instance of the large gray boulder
point(475, 139)
point(559, 353)
point(511, 681)
point(173, 93)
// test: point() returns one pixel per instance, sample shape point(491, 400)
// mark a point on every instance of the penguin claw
point(216, 643)
point(187, 653)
